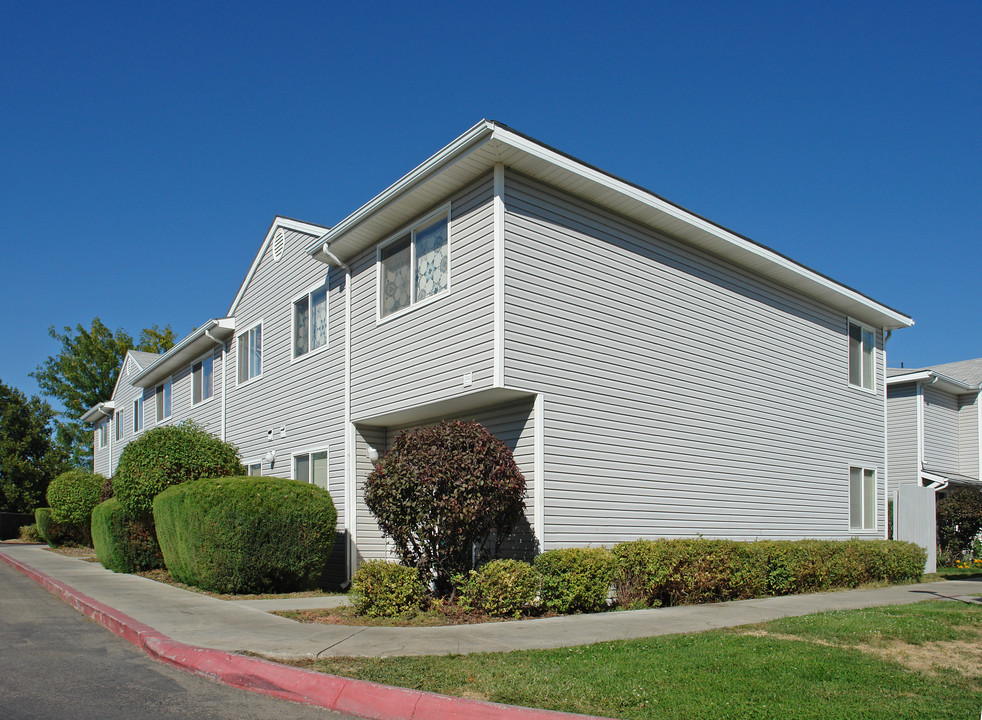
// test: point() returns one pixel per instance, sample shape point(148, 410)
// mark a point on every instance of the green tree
point(84, 373)
point(28, 460)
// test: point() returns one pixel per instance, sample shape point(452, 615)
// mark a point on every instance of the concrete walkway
point(245, 626)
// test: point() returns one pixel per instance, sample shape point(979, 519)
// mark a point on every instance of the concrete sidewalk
point(237, 626)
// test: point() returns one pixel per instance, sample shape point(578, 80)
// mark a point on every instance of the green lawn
point(913, 661)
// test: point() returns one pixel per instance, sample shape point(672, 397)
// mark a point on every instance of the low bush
point(575, 579)
point(246, 534)
point(123, 544)
point(29, 533)
point(500, 588)
point(677, 572)
point(166, 456)
point(384, 589)
point(72, 497)
point(56, 533)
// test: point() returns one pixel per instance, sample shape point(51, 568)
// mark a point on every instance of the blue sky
point(146, 148)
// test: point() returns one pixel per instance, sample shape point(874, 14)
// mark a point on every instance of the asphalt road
point(55, 663)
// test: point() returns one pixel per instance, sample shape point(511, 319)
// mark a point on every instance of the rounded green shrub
point(384, 589)
point(169, 455)
point(123, 544)
point(576, 579)
point(440, 491)
point(51, 531)
point(245, 534)
point(501, 587)
point(73, 495)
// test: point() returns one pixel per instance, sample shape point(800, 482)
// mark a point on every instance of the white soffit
point(190, 348)
point(487, 143)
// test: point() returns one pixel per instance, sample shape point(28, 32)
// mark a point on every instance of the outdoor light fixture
point(372, 455)
point(271, 456)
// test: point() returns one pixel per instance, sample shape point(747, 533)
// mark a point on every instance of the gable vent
point(279, 242)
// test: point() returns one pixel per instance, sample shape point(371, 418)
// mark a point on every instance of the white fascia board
point(99, 410)
point(935, 379)
point(278, 222)
point(641, 204)
point(188, 349)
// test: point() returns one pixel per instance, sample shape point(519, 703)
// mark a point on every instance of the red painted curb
point(356, 697)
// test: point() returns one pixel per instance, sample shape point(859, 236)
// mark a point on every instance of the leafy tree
point(959, 520)
point(440, 491)
point(27, 459)
point(84, 373)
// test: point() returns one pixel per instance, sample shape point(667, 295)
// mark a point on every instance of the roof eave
point(935, 379)
point(196, 344)
point(477, 150)
point(99, 411)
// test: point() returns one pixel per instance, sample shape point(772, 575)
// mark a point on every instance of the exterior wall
point(902, 435)
point(511, 422)
point(968, 435)
point(295, 405)
point(208, 413)
point(100, 456)
point(941, 430)
point(682, 395)
point(422, 355)
point(124, 396)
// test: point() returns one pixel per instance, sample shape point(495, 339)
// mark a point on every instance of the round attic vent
point(279, 241)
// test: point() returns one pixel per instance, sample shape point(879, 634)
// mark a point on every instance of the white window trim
point(103, 435)
point(293, 319)
point(863, 328)
point(876, 486)
point(262, 332)
point(167, 417)
point(250, 463)
point(119, 428)
point(214, 364)
point(308, 453)
point(140, 402)
point(410, 227)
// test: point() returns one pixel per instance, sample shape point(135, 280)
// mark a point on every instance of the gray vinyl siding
point(100, 456)
point(940, 430)
point(124, 396)
point(968, 435)
point(422, 355)
point(683, 395)
point(902, 435)
point(296, 405)
point(370, 544)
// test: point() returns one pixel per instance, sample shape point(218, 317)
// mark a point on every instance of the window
point(103, 433)
point(138, 414)
point(163, 401)
point(311, 468)
point(862, 343)
point(251, 354)
point(414, 266)
point(119, 424)
point(255, 468)
point(310, 322)
point(202, 380)
point(862, 499)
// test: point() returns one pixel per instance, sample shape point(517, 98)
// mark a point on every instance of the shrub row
point(123, 544)
point(649, 573)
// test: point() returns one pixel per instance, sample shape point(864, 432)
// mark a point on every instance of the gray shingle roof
point(143, 358)
point(967, 371)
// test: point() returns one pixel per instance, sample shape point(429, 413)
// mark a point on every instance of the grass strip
point(912, 661)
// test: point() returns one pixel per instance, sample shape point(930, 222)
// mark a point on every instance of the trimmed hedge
point(687, 571)
point(245, 534)
point(72, 497)
point(51, 531)
point(501, 587)
point(576, 579)
point(123, 544)
point(166, 456)
point(384, 589)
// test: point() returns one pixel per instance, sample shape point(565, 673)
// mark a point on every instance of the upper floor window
point(103, 434)
point(310, 321)
point(414, 266)
point(862, 343)
point(202, 380)
point(138, 414)
point(862, 499)
point(163, 401)
point(118, 419)
point(251, 353)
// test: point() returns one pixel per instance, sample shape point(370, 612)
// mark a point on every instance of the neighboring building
point(655, 374)
point(933, 431)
